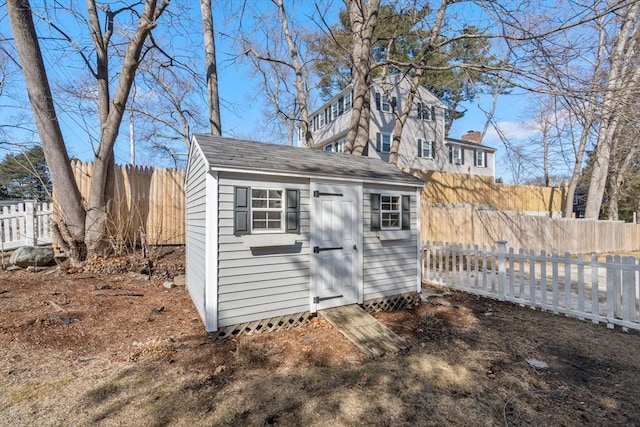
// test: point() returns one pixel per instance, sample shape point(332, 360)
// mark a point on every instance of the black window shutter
point(462, 156)
point(420, 110)
point(375, 211)
point(450, 154)
point(378, 141)
point(293, 211)
point(419, 147)
point(394, 102)
point(433, 149)
point(433, 113)
point(406, 212)
point(242, 211)
point(377, 101)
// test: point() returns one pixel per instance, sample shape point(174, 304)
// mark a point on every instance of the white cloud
point(513, 131)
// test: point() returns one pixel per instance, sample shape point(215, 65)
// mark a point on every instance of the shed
point(274, 231)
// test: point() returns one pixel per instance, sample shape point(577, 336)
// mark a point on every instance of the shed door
point(336, 236)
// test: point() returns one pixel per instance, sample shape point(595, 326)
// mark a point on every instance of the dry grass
point(124, 364)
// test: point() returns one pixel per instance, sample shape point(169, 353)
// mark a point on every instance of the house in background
point(423, 144)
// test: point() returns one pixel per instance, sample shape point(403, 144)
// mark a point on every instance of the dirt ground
point(104, 346)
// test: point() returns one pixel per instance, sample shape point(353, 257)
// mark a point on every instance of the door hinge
point(317, 300)
point(318, 249)
point(319, 193)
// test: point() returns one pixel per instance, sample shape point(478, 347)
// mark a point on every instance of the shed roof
point(257, 157)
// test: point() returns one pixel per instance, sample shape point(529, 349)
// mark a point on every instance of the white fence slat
point(580, 283)
point(568, 303)
point(615, 299)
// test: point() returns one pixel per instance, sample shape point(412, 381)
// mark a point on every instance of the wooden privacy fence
point(580, 286)
point(25, 223)
point(141, 198)
point(448, 187)
point(469, 224)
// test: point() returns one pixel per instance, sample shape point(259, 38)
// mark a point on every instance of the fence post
point(502, 268)
point(29, 219)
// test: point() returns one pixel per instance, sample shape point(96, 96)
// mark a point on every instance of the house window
point(386, 105)
point(301, 133)
point(383, 142)
point(456, 155)
point(389, 212)
point(328, 147)
point(340, 146)
point(425, 112)
point(426, 149)
point(266, 209)
point(480, 158)
point(348, 101)
point(334, 111)
point(321, 120)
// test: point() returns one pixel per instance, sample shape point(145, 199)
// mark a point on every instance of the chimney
point(472, 136)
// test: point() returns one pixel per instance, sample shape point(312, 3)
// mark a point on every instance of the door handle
point(355, 247)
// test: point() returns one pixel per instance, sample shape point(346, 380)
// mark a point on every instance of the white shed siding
point(261, 282)
point(390, 267)
point(195, 243)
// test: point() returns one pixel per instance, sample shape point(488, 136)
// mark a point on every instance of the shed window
point(266, 209)
point(390, 212)
point(262, 210)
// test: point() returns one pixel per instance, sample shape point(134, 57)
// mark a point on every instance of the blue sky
point(242, 105)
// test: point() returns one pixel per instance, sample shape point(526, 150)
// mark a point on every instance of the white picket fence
point(25, 224)
point(579, 286)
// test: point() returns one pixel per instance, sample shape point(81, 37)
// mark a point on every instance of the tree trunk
point(363, 17)
point(614, 104)
point(401, 119)
point(212, 71)
point(298, 83)
point(70, 216)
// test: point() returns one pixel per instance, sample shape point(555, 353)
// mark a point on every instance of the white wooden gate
point(25, 223)
point(577, 286)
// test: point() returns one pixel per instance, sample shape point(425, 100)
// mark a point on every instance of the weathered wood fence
point(469, 224)
point(25, 223)
point(446, 187)
point(578, 286)
point(141, 198)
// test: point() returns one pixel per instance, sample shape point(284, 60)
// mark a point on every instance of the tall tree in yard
point(81, 227)
point(213, 100)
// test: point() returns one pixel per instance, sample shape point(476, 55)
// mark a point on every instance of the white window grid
point(267, 210)
point(390, 212)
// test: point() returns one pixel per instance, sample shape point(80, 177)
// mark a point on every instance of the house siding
point(259, 283)
point(390, 267)
point(196, 230)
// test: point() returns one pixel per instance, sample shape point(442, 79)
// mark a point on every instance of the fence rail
point(25, 223)
point(578, 286)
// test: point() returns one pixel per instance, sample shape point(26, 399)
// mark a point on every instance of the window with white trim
point(339, 147)
point(389, 212)
point(348, 101)
point(456, 155)
point(383, 142)
point(334, 111)
point(426, 149)
point(386, 105)
point(328, 147)
point(480, 158)
point(321, 120)
point(267, 207)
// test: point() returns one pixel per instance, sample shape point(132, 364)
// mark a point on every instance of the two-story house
point(423, 144)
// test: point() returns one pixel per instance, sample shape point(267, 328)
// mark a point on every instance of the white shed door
point(336, 230)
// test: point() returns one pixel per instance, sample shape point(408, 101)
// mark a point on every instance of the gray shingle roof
point(227, 153)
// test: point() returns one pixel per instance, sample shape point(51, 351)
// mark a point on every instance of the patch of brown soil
point(103, 345)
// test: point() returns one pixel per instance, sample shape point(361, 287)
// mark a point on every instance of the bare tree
point(213, 100)
point(82, 227)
